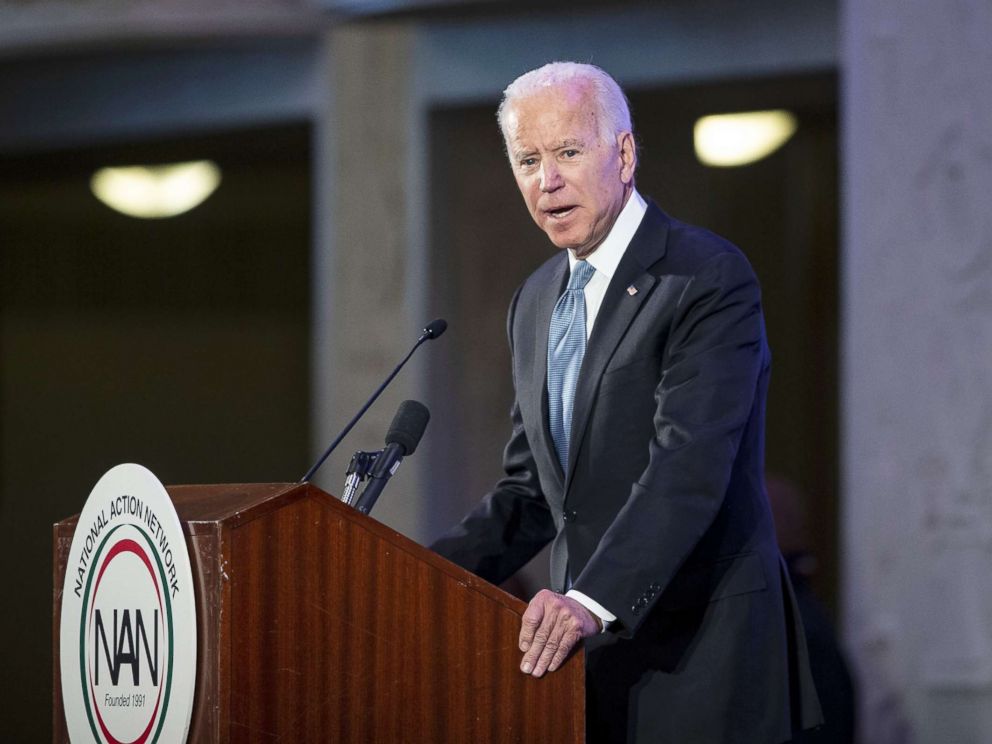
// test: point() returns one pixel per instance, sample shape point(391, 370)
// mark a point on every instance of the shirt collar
point(607, 256)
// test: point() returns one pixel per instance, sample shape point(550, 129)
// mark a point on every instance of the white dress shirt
point(606, 257)
point(605, 260)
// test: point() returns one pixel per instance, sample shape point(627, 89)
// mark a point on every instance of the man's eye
point(528, 162)
point(571, 153)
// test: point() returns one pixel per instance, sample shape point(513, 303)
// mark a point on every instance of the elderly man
point(640, 368)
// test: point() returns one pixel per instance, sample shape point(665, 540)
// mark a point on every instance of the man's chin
point(581, 250)
point(560, 239)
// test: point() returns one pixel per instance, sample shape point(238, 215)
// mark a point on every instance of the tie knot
point(581, 274)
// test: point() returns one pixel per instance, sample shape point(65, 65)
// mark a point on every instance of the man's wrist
point(603, 616)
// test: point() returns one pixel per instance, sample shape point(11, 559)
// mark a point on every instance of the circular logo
point(128, 624)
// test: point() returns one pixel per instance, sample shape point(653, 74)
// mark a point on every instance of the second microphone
point(402, 439)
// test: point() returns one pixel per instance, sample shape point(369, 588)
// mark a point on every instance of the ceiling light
point(727, 140)
point(156, 191)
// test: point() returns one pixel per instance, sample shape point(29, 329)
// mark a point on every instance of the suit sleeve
point(513, 522)
point(711, 369)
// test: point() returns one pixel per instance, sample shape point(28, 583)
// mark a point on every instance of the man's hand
point(551, 626)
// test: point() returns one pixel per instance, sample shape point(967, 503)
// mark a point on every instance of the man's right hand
point(551, 627)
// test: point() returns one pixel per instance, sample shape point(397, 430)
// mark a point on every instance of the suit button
point(641, 602)
point(569, 515)
point(655, 588)
point(636, 610)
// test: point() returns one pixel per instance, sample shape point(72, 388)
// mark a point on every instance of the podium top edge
point(220, 502)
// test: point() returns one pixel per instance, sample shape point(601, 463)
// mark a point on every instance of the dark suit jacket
point(661, 516)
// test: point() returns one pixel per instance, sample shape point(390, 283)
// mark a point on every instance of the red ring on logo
point(125, 546)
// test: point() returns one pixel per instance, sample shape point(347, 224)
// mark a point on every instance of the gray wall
point(917, 298)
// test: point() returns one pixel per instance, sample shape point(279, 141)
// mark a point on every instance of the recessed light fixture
point(156, 191)
point(727, 140)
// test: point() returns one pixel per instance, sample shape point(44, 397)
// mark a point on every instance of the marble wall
point(917, 365)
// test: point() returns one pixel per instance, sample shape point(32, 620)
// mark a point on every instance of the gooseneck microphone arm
point(434, 329)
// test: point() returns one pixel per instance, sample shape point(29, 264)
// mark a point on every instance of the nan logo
point(128, 625)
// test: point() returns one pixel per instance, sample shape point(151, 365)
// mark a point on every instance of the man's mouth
point(559, 213)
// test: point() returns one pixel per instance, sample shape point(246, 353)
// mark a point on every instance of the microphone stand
point(358, 470)
point(428, 333)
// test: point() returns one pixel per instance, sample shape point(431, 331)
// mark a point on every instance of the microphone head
point(435, 328)
point(408, 425)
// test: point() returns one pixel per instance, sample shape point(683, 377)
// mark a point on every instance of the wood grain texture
point(317, 623)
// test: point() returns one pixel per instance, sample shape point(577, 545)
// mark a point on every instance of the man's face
point(574, 182)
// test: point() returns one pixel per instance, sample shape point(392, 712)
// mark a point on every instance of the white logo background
point(128, 554)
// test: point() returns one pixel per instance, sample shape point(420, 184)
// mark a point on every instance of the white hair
point(613, 108)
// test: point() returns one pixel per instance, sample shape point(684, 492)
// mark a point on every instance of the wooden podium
point(316, 623)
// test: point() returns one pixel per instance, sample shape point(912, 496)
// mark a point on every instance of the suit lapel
point(545, 307)
point(618, 310)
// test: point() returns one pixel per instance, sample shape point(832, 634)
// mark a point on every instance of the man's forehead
point(561, 118)
point(565, 98)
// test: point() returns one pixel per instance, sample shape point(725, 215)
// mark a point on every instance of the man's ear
point(628, 156)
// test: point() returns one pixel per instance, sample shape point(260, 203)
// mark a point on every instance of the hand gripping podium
point(316, 623)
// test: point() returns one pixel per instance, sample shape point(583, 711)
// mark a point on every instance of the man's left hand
point(551, 626)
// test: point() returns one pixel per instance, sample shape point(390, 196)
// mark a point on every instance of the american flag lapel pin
point(631, 290)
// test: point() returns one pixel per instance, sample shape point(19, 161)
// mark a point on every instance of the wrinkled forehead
point(563, 111)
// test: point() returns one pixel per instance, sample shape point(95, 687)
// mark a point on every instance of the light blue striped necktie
point(566, 347)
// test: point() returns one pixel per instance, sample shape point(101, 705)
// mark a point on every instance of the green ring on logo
point(82, 630)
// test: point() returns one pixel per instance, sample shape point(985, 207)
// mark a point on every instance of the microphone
point(433, 330)
point(401, 440)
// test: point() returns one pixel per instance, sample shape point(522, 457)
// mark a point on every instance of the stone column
point(365, 293)
point(917, 366)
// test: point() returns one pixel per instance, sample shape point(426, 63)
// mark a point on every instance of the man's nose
point(551, 179)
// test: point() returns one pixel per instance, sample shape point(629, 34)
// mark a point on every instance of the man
point(640, 368)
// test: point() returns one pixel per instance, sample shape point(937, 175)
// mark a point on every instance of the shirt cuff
point(593, 606)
